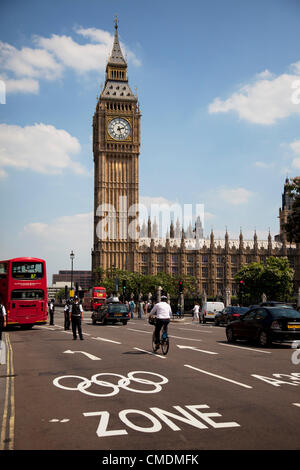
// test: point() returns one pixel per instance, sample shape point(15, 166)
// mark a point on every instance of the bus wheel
point(28, 326)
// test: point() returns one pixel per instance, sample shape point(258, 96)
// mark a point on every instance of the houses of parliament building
point(116, 148)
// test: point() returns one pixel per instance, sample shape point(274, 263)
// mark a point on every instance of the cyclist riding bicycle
point(163, 312)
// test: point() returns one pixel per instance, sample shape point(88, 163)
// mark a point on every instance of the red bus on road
point(94, 298)
point(23, 289)
point(98, 297)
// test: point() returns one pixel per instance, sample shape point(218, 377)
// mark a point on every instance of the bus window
point(21, 270)
point(3, 270)
point(27, 294)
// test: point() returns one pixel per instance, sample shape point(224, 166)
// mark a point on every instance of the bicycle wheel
point(165, 346)
point(153, 342)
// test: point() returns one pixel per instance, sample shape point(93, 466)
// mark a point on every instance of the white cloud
point(295, 146)
point(264, 101)
point(22, 85)
point(235, 196)
point(27, 62)
point(23, 68)
point(41, 148)
point(54, 240)
point(259, 164)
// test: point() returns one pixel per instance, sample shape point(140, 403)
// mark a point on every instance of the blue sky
point(219, 89)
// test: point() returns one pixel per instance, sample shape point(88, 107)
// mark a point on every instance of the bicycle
point(163, 340)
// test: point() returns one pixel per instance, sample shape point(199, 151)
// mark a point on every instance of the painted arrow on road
point(90, 356)
point(196, 349)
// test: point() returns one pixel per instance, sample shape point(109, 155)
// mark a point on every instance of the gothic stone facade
point(116, 148)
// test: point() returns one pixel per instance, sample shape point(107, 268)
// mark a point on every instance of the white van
point(209, 310)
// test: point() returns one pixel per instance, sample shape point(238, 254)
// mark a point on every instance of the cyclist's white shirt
point(162, 310)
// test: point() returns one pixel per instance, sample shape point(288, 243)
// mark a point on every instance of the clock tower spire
point(116, 148)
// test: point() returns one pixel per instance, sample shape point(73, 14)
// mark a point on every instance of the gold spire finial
point(116, 22)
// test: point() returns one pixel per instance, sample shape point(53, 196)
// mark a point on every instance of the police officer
point(76, 317)
point(51, 312)
point(67, 310)
point(2, 318)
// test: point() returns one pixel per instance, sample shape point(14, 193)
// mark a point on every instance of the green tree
point(274, 278)
point(292, 227)
point(138, 283)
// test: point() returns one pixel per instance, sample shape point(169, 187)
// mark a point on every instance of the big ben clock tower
point(116, 148)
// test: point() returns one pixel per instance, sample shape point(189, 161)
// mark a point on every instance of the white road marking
point(170, 336)
point(2, 352)
point(243, 347)
point(190, 329)
point(218, 376)
point(108, 340)
point(90, 356)
point(149, 352)
point(196, 349)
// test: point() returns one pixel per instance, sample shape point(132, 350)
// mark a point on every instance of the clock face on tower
point(119, 129)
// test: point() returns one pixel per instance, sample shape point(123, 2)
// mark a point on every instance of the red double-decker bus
point(23, 289)
point(94, 298)
point(98, 297)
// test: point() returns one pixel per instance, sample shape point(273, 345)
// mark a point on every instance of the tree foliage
point(138, 283)
point(274, 278)
point(292, 227)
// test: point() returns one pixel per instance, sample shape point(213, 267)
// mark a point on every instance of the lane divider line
point(218, 376)
point(8, 419)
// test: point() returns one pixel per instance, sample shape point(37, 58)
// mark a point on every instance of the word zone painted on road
point(153, 424)
point(152, 421)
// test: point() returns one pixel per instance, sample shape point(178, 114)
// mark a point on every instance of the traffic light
point(180, 287)
point(124, 284)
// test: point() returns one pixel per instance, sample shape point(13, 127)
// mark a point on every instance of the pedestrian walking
point(196, 312)
point(51, 312)
point(141, 309)
point(67, 310)
point(76, 317)
point(2, 318)
point(131, 308)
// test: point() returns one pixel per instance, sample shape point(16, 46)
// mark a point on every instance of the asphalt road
point(111, 392)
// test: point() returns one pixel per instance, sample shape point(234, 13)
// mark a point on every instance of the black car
point(112, 312)
point(230, 314)
point(266, 325)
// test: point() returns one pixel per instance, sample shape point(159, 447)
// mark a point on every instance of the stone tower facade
point(117, 240)
point(116, 148)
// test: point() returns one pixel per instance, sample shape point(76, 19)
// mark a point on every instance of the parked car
point(230, 314)
point(112, 312)
point(272, 303)
point(266, 325)
point(209, 311)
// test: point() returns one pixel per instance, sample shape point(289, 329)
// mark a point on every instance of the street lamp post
point(72, 256)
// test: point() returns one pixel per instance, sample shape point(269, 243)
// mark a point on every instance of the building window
point(248, 259)
point(174, 270)
point(144, 270)
point(234, 271)
point(219, 259)
point(190, 259)
point(144, 258)
point(190, 271)
point(234, 259)
point(174, 258)
point(219, 272)
point(204, 272)
point(160, 269)
point(205, 258)
point(160, 258)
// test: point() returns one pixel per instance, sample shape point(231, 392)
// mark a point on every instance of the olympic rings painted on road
point(123, 383)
